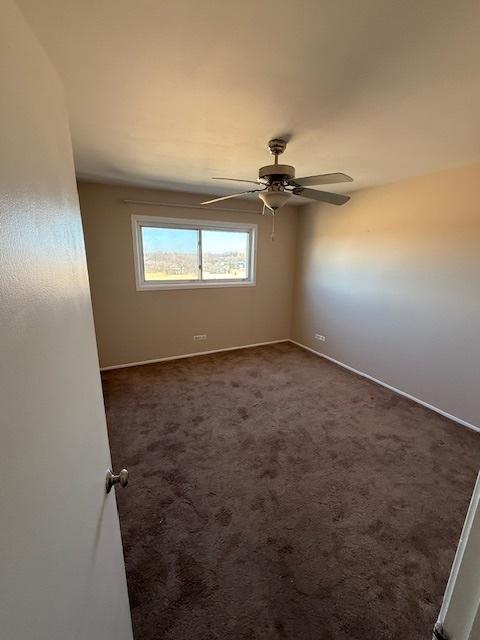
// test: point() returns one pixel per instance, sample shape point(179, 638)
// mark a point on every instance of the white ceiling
point(168, 93)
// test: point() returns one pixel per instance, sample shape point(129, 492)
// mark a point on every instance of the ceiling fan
point(277, 183)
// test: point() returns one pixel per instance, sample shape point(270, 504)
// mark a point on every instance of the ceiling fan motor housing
point(276, 173)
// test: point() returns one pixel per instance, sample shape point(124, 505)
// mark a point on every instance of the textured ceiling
point(170, 93)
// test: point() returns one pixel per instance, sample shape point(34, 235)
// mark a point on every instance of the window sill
point(192, 285)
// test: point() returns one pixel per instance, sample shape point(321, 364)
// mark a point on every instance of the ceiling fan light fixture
point(274, 198)
point(277, 183)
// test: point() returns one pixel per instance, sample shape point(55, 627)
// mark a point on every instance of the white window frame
point(139, 221)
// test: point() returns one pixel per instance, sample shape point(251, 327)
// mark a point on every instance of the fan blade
point(326, 178)
point(238, 180)
point(234, 195)
point(321, 196)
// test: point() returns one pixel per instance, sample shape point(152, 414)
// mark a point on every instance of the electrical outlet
point(320, 337)
point(201, 336)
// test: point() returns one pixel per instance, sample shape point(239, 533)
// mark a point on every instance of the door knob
point(111, 479)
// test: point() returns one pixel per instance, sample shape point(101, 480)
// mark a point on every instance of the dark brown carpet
point(275, 495)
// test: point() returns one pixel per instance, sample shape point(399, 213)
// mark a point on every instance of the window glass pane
point(170, 254)
point(225, 255)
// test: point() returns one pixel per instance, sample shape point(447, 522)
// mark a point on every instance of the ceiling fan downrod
point(276, 147)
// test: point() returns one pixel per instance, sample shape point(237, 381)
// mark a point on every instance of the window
point(172, 253)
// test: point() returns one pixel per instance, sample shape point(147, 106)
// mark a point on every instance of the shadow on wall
point(391, 280)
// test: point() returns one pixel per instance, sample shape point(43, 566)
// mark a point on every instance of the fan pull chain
point(272, 237)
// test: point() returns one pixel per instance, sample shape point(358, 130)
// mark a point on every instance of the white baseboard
point(191, 355)
point(384, 384)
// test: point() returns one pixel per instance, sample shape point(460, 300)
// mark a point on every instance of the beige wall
point(393, 281)
point(133, 326)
